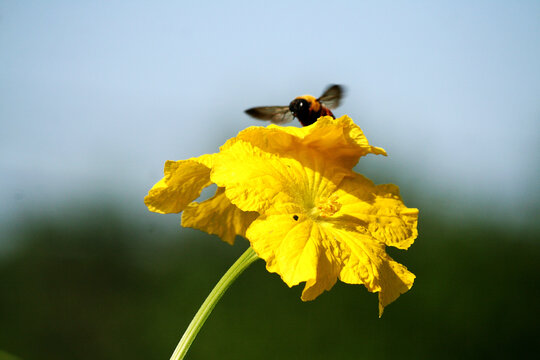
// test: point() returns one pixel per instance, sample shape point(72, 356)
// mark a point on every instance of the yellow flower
point(319, 222)
point(292, 193)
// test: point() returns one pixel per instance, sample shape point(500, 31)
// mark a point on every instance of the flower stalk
point(247, 258)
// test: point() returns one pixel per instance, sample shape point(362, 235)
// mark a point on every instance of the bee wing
point(331, 98)
point(276, 114)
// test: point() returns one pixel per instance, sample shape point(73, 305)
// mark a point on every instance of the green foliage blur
point(107, 288)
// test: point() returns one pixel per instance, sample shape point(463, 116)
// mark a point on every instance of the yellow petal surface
point(367, 263)
point(341, 140)
point(252, 179)
point(257, 181)
point(329, 263)
point(291, 245)
point(301, 250)
point(379, 209)
point(338, 140)
point(218, 216)
point(182, 183)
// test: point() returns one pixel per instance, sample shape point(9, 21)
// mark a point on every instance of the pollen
point(328, 207)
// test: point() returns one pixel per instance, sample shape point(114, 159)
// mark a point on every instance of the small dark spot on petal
point(295, 217)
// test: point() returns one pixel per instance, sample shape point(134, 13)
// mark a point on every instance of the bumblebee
point(306, 108)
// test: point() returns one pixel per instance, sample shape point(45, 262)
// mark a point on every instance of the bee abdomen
point(312, 116)
point(326, 112)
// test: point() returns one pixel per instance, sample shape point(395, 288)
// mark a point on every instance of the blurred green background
point(96, 95)
point(109, 288)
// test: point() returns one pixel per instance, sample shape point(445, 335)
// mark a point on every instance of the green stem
point(206, 308)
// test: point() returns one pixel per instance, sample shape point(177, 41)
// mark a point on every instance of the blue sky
point(96, 95)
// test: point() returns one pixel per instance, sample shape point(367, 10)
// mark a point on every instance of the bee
point(306, 108)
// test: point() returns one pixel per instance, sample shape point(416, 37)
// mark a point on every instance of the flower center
point(327, 207)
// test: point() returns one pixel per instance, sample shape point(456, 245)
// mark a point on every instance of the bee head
point(299, 107)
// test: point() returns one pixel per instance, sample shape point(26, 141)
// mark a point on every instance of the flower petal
point(328, 267)
point(289, 246)
point(218, 216)
point(380, 209)
point(395, 280)
point(367, 263)
point(339, 141)
point(182, 183)
point(293, 246)
point(251, 177)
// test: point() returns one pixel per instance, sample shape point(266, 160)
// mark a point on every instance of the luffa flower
point(319, 222)
point(292, 193)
